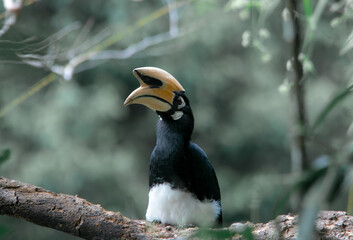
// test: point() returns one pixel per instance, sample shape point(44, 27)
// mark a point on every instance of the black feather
point(179, 162)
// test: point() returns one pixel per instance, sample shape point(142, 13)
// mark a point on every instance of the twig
point(299, 159)
point(132, 49)
point(12, 7)
point(105, 44)
point(25, 4)
point(84, 59)
point(173, 19)
point(10, 20)
point(90, 50)
point(34, 89)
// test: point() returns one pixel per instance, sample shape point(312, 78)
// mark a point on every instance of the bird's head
point(161, 92)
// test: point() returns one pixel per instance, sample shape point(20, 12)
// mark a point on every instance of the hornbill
point(183, 185)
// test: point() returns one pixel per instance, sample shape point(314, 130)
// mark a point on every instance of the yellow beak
point(156, 90)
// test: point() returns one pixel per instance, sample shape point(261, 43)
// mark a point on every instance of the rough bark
point(74, 215)
point(329, 225)
point(81, 218)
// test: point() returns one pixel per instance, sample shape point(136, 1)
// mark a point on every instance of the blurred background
point(74, 135)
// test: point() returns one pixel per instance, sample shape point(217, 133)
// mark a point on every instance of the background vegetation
point(75, 136)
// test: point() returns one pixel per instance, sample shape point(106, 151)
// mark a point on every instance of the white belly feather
point(174, 206)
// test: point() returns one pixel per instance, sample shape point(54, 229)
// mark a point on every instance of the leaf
point(308, 9)
point(331, 105)
point(5, 155)
point(315, 199)
point(205, 233)
point(3, 230)
point(303, 184)
point(247, 234)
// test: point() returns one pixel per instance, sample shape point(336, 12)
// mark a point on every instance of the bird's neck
point(168, 157)
point(170, 136)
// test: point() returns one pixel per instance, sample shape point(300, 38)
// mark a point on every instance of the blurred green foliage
point(76, 137)
point(4, 155)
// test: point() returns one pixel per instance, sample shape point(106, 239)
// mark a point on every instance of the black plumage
point(180, 162)
point(183, 185)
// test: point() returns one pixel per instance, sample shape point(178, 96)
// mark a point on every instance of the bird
point(183, 187)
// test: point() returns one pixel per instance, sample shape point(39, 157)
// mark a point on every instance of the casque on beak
point(156, 89)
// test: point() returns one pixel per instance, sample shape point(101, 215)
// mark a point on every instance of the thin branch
point(12, 7)
point(25, 4)
point(83, 54)
point(10, 20)
point(133, 49)
point(146, 42)
point(299, 161)
point(49, 41)
point(84, 59)
point(12, 10)
point(173, 19)
point(34, 89)
point(312, 25)
point(105, 44)
point(298, 148)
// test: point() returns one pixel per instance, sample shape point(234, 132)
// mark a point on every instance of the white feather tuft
point(178, 207)
point(177, 115)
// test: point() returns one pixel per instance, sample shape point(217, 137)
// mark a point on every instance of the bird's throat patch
point(177, 115)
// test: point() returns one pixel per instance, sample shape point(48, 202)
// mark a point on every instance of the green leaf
point(5, 155)
point(308, 9)
point(205, 233)
point(247, 234)
point(330, 106)
point(317, 197)
point(3, 230)
point(303, 184)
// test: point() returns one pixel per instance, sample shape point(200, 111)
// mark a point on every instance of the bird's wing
point(203, 180)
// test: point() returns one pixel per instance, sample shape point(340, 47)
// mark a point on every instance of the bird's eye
point(181, 103)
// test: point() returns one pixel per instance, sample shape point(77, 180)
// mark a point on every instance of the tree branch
point(12, 7)
point(292, 35)
point(65, 213)
point(75, 215)
point(299, 158)
point(81, 218)
point(83, 56)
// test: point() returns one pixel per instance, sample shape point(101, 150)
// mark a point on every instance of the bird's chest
point(171, 167)
point(175, 206)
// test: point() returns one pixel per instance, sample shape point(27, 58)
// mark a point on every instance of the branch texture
point(81, 218)
point(63, 212)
